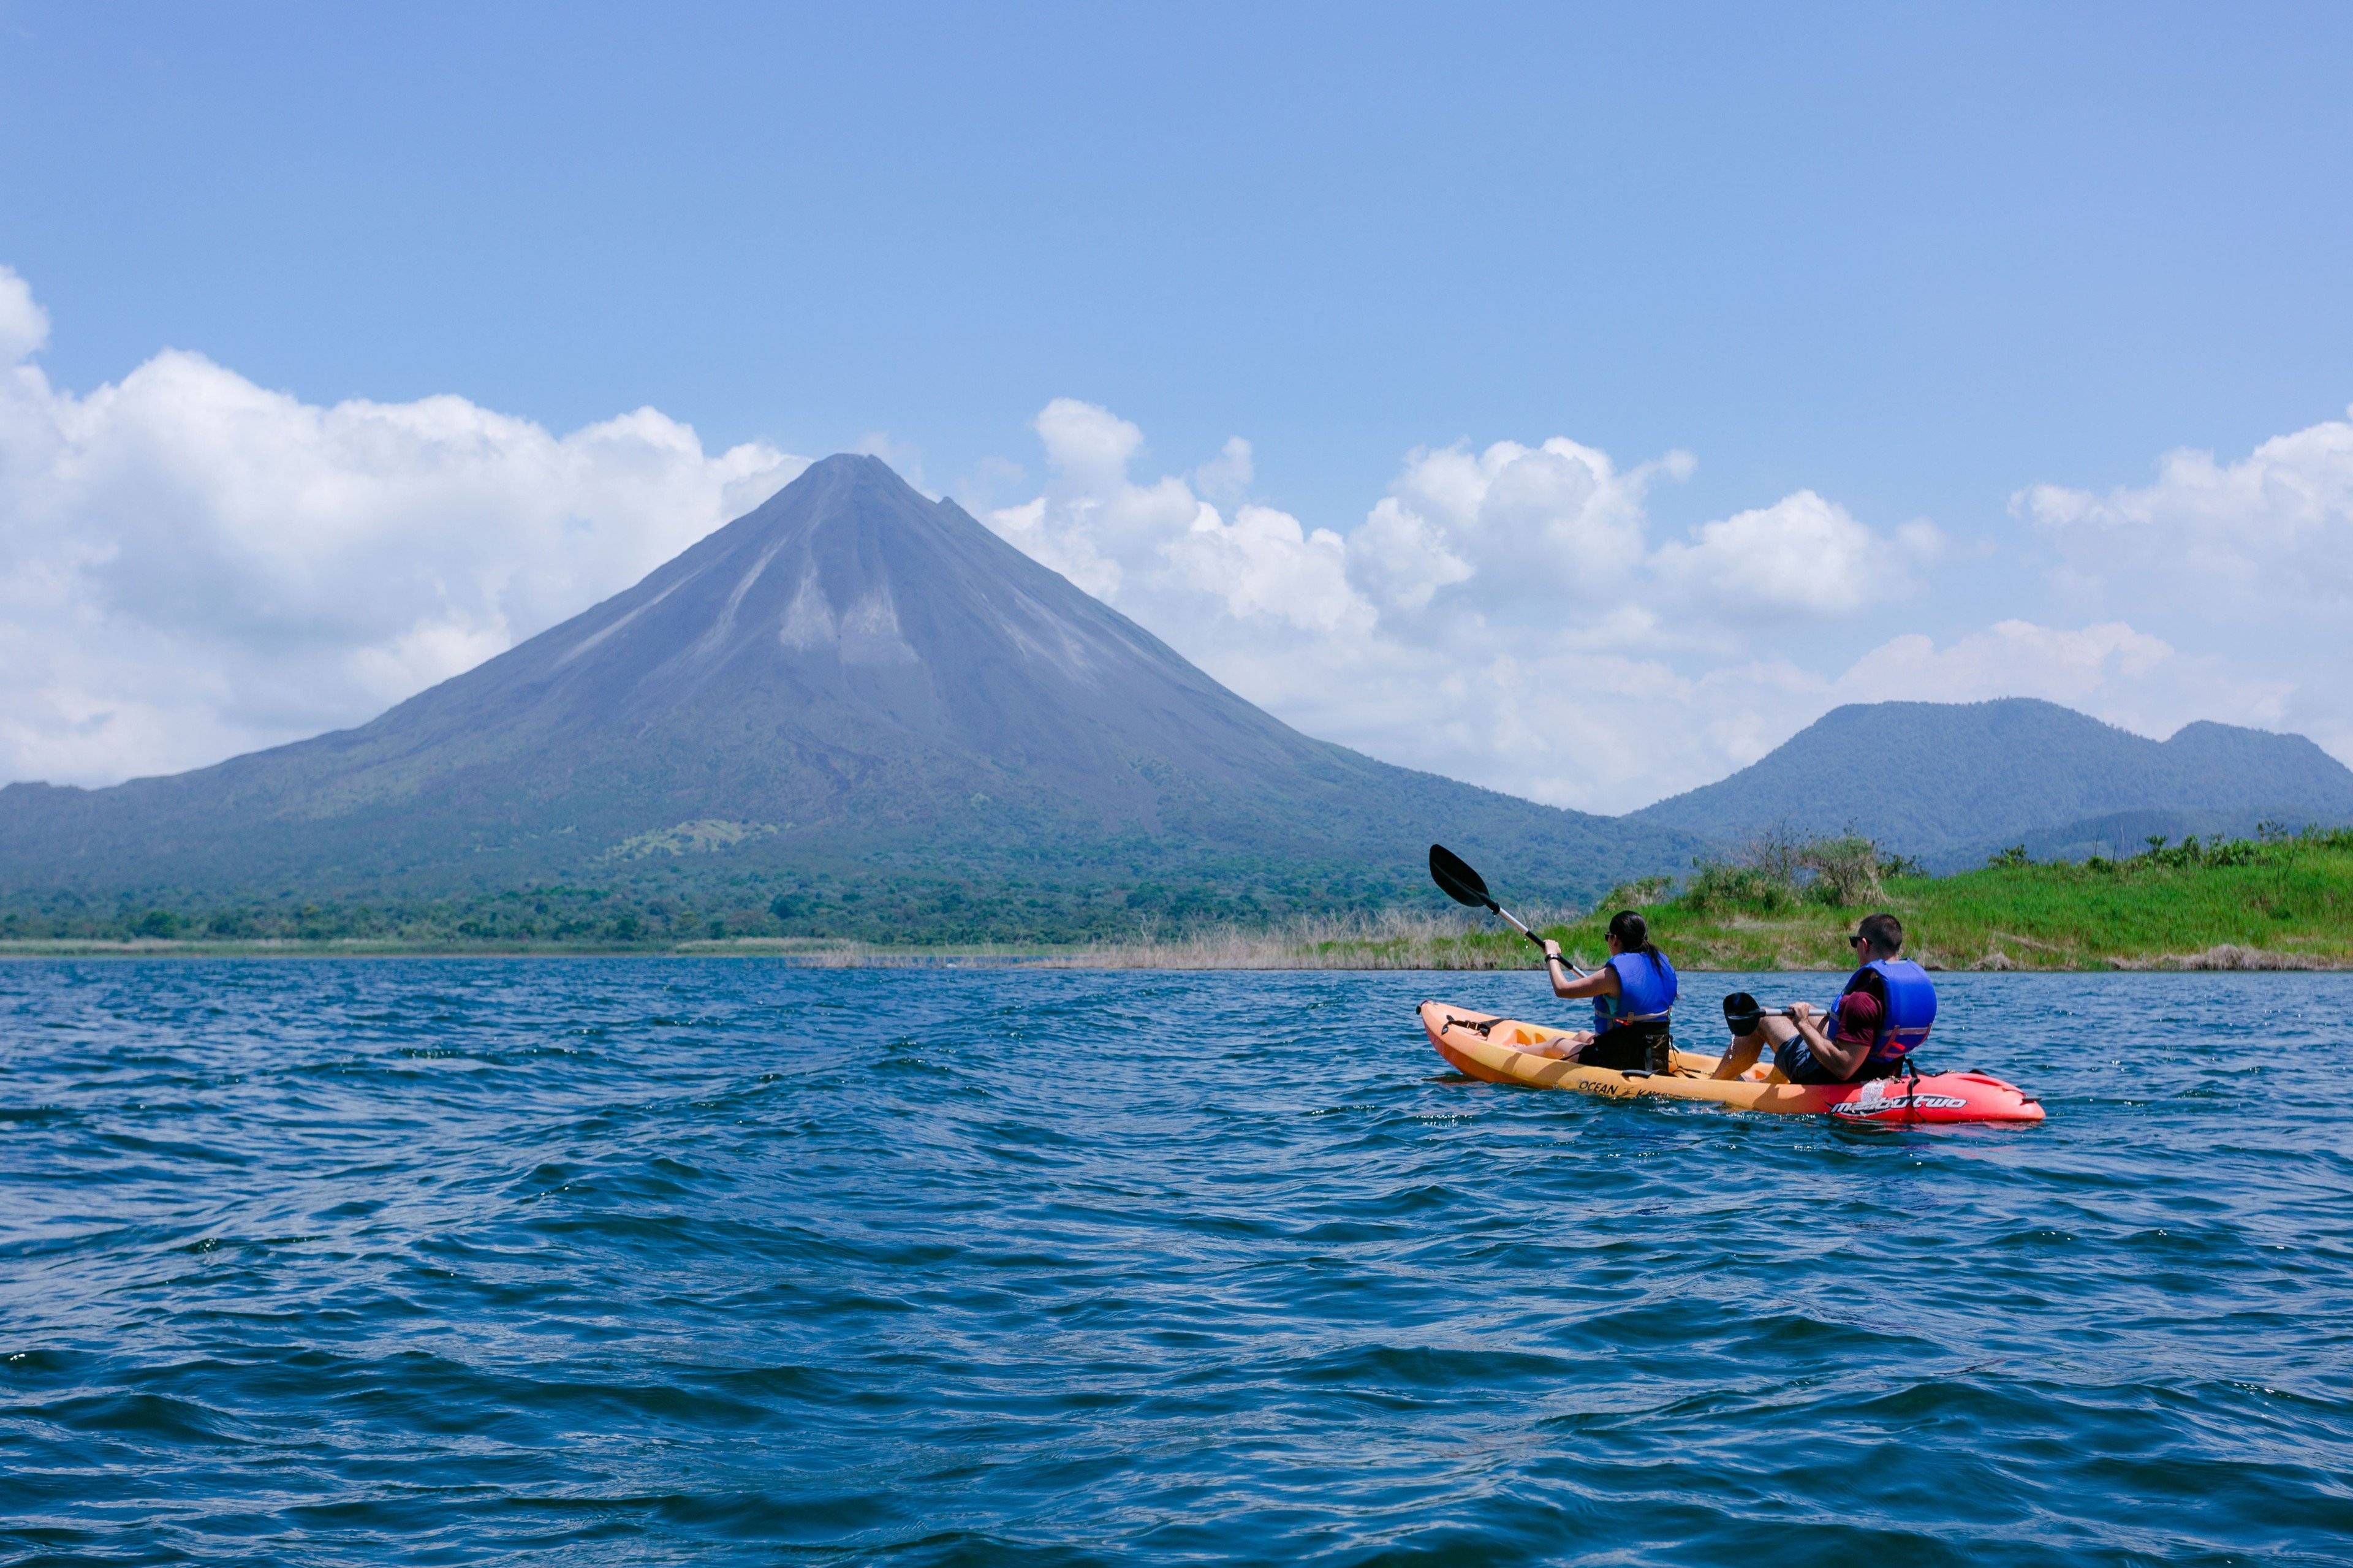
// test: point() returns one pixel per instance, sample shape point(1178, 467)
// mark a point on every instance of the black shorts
point(1796, 1060)
point(1625, 1050)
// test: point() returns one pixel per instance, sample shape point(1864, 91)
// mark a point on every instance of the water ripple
point(649, 1262)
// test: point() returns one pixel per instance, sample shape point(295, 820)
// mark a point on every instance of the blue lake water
point(630, 1262)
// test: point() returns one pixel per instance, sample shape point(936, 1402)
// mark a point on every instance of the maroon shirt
point(1859, 1012)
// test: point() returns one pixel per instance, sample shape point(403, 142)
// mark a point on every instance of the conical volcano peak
point(848, 488)
point(854, 480)
point(846, 592)
point(857, 464)
point(814, 575)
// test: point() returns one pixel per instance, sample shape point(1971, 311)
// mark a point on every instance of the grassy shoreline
point(2278, 903)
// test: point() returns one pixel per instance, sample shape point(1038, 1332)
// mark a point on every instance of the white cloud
point(2249, 564)
point(1265, 565)
point(2126, 677)
point(1161, 552)
point(192, 565)
point(1226, 479)
point(1091, 447)
point(24, 325)
point(1499, 616)
point(1503, 616)
point(2274, 530)
point(1534, 523)
point(1554, 537)
point(2012, 658)
point(1802, 552)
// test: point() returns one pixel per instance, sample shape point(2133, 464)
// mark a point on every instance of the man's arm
point(1843, 1057)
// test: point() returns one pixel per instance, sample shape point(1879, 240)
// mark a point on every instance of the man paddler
point(1879, 1019)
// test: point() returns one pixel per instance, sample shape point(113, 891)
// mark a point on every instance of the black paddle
point(1458, 881)
point(1742, 1014)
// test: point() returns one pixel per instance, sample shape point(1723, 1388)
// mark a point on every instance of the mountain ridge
point(1948, 783)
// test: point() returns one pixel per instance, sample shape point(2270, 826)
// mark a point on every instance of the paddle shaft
point(1566, 963)
point(1513, 921)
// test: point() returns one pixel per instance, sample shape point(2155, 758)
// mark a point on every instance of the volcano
point(850, 680)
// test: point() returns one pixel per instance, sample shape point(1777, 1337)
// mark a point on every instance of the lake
point(622, 1261)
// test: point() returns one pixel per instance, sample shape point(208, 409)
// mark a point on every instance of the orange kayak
point(1495, 1050)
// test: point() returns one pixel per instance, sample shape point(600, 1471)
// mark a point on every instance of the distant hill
point(853, 707)
point(1949, 783)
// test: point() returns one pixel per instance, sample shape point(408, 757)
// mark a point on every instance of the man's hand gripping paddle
point(1458, 881)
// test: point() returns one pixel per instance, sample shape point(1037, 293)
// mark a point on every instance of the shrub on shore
point(2278, 900)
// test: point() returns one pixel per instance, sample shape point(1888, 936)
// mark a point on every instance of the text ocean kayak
point(1489, 1047)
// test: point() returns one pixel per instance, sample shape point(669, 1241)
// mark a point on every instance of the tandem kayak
point(1492, 1049)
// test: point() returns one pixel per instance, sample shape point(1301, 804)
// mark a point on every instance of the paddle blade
point(1741, 1013)
point(1456, 880)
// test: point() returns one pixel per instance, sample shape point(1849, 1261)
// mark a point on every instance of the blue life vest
point(1646, 992)
point(1910, 1007)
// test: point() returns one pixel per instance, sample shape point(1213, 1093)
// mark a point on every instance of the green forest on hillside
point(1038, 902)
point(2277, 900)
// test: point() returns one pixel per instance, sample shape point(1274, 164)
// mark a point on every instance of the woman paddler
point(1632, 994)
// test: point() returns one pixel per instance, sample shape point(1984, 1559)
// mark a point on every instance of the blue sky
point(1911, 261)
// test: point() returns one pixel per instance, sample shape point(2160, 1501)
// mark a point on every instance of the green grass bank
point(2278, 902)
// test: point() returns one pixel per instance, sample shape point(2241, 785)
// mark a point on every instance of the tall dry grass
point(1387, 939)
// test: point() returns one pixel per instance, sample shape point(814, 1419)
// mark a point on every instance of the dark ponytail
point(1633, 934)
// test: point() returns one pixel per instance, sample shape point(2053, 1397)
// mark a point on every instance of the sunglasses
point(1855, 941)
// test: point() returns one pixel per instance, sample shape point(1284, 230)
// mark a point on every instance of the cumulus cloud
point(2126, 677)
point(192, 565)
point(2247, 562)
point(2275, 528)
point(1226, 479)
point(1532, 523)
point(24, 325)
point(1802, 552)
point(1553, 540)
point(1161, 552)
point(1266, 565)
point(1502, 613)
point(1506, 615)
